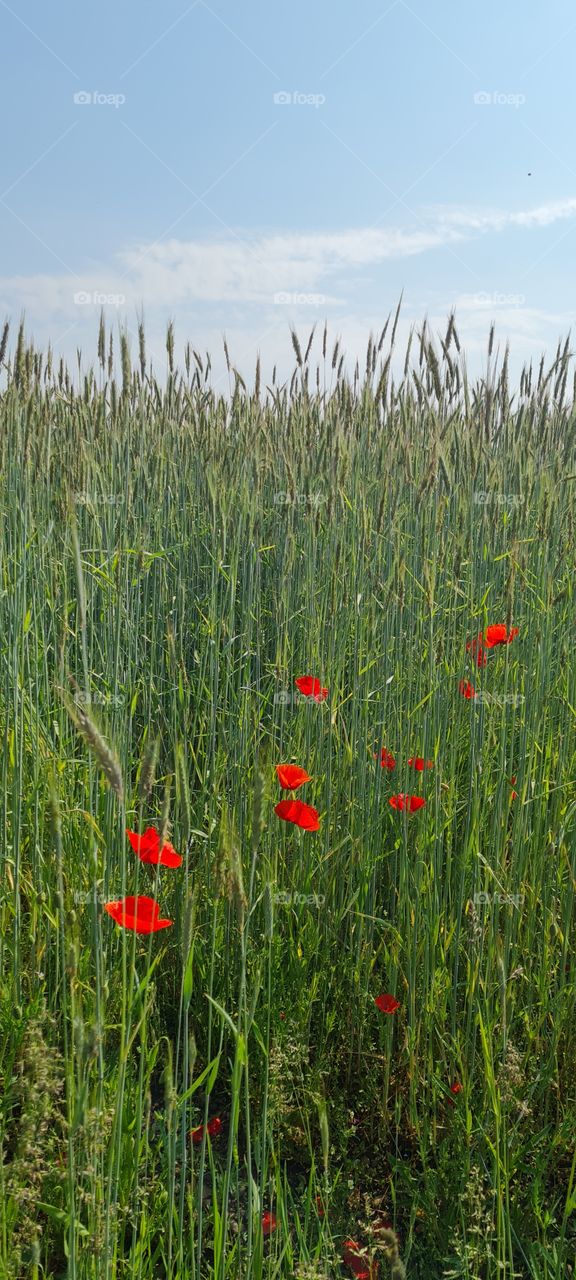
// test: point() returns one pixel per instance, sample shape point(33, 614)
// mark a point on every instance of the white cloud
point(211, 286)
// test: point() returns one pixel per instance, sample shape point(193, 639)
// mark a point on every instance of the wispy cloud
point(252, 269)
point(232, 285)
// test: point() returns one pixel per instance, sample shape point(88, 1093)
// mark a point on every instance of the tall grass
point(171, 560)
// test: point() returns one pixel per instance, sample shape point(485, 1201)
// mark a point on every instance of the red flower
point(466, 689)
point(387, 1004)
point(354, 1257)
point(311, 688)
point(387, 760)
point(290, 776)
point(420, 764)
point(475, 648)
point(454, 1088)
point(269, 1223)
point(140, 914)
point(148, 848)
point(303, 815)
point(498, 634)
point(407, 802)
point(513, 794)
point(319, 1206)
point(212, 1128)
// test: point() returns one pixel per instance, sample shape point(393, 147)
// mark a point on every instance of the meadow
point(350, 1048)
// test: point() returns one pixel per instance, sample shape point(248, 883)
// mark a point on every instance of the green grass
point(182, 557)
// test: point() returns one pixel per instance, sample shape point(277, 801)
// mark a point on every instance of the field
point(224, 1096)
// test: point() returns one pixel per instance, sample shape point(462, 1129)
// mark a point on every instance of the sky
point(241, 169)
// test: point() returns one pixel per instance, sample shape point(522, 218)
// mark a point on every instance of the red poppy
point(148, 848)
point(466, 689)
point(140, 914)
point(513, 794)
point(420, 764)
point(475, 648)
point(387, 1004)
point(303, 815)
point(354, 1257)
point(498, 634)
point(212, 1128)
point(319, 1206)
point(290, 776)
point(310, 687)
point(387, 760)
point(454, 1088)
point(407, 802)
point(269, 1223)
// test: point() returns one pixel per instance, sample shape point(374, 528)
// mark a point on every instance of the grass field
point(172, 562)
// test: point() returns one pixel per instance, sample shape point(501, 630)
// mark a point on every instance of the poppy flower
point(387, 1004)
point(475, 648)
point(140, 914)
point(454, 1088)
point(147, 847)
point(310, 687)
point(513, 794)
point(407, 802)
point(269, 1223)
point(212, 1128)
point(354, 1257)
point(290, 776)
point(418, 762)
point(387, 760)
point(302, 815)
point(466, 689)
point(498, 634)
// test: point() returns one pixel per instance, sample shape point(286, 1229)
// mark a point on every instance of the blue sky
point(185, 188)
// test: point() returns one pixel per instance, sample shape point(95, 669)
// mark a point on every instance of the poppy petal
point(353, 1257)
point(147, 848)
point(302, 815)
point(291, 776)
point(140, 914)
point(311, 687)
point(212, 1128)
point(387, 1003)
point(412, 803)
